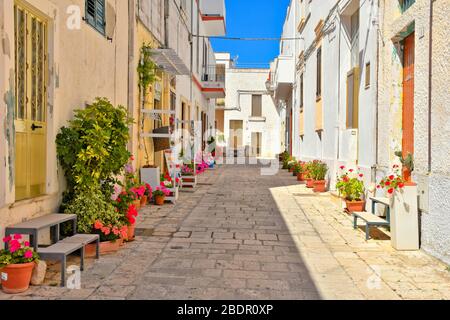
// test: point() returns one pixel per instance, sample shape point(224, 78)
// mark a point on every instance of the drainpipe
point(377, 99)
point(338, 140)
point(430, 83)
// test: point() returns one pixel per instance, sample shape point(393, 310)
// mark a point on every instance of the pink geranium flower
point(17, 237)
point(28, 254)
point(7, 239)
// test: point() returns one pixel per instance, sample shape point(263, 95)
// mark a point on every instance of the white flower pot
point(152, 176)
point(404, 219)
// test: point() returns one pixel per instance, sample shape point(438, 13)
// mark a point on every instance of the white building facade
point(370, 80)
point(251, 123)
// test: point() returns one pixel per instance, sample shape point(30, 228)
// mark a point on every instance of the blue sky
point(253, 18)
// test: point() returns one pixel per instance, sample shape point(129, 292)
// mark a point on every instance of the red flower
point(342, 167)
point(401, 185)
point(132, 158)
point(351, 170)
point(391, 191)
point(391, 177)
point(98, 225)
point(387, 183)
point(378, 187)
point(361, 175)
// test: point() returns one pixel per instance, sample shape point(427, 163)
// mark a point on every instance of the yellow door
point(30, 112)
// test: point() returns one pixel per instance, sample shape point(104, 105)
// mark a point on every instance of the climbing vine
point(147, 76)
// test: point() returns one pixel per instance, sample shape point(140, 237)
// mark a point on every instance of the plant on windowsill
point(351, 187)
point(17, 264)
point(407, 165)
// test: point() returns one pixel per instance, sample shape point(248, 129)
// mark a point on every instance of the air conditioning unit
point(349, 148)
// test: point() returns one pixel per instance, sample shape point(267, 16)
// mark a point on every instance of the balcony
point(284, 76)
point(213, 17)
point(213, 82)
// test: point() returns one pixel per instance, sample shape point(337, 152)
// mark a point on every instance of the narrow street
point(241, 235)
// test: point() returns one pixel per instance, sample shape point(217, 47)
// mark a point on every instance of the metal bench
point(85, 239)
point(370, 219)
point(383, 201)
point(59, 252)
point(32, 227)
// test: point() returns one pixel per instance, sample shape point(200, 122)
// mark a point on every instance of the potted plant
point(159, 194)
point(301, 171)
point(16, 264)
point(290, 164)
point(351, 186)
point(319, 175)
point(111, 237)
point(404, 217)
point(407, 165)
point(310, 167)
point(298, 169)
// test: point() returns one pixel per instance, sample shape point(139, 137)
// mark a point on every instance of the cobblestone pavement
point(241, 235)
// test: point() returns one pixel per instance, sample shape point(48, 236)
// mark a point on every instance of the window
point(355, 39)
point(367, 75)
point(256, 105)
point(95, 14)
point(256, 144)
point(319, 73)
point(352, 98)
point(301, 93)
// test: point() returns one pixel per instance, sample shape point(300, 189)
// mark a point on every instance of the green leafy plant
point(299, 167)
point(350, 185)
point(407, 162)
point(93, 151)
point(392, 182)
point(317, 170)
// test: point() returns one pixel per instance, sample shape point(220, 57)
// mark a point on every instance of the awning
point(169, 61)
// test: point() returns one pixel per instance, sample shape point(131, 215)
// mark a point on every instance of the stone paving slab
point(241, 235)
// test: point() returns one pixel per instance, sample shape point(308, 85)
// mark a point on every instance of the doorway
point(31, 99)
point(236, 135)
point(408, 96)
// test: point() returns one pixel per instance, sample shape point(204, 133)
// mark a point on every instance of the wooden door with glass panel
point(30, 110)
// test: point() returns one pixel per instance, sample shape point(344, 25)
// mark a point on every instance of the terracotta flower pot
point(106, 247)
point(355, 206)
point(159, 200)
point(291, 169)
point(294, 173)
point(137, 204)
point(300, 177)
point(310, 183)
point(406, 174)
point(131, 232)
point(18, 277)
point(144, 200)
point(320, 186)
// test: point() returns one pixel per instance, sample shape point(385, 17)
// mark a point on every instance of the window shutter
point(90, 11)
point(100, 15)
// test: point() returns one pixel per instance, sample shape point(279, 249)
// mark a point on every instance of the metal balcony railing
point(213, 74)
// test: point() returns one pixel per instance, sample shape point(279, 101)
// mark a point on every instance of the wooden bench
point(59, 252)
point(370, 219)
